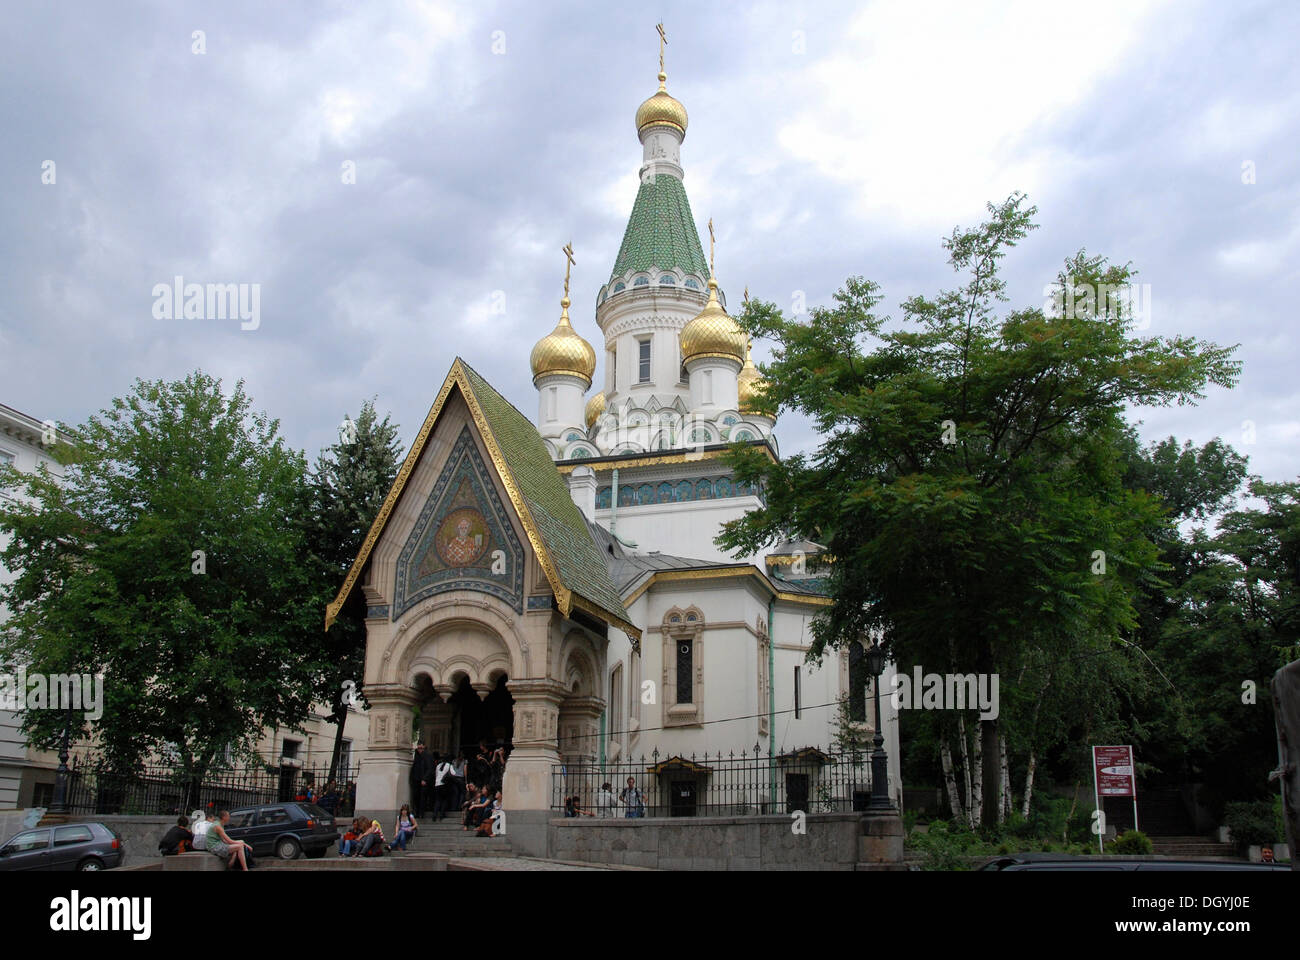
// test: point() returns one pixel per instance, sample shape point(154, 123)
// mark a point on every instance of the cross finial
point(568, 262)
point(663, 39)
point(745, 299)
point(711, 270)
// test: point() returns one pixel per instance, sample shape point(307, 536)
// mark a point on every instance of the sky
point(398, 179)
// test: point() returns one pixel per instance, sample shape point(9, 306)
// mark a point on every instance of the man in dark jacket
point(170, 843)
point(419, 780)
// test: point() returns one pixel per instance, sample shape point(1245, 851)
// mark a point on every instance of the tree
point(170, 559)
point(348, 486)
point(969, 484)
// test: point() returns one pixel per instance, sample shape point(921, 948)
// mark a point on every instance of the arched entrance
point(488, 718)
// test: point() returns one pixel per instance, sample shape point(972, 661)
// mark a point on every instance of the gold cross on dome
point(711, 270)
point(568, 262)
point(663, 39)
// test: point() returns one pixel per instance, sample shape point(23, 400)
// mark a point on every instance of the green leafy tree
point(348, 486)
point(969, 484)
point(169, 559)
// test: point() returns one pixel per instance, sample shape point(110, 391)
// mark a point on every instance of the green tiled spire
point(661, 231)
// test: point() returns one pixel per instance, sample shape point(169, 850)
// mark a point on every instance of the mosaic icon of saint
point(461, 540)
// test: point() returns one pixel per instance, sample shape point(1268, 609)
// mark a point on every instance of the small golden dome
point(750, 386)
point(595, 407)
point(662, 109)
point(712, 333)
point(562, 351)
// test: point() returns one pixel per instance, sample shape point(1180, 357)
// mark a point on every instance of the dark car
point(71, 846)
point(287, 830)
point(1057, 862)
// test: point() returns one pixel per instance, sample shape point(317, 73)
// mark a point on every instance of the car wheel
point(288, 849)
point(90, 863)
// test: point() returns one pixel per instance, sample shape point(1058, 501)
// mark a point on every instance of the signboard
point(1114, 770)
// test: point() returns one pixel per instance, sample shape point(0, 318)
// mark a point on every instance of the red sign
point(1115, 774)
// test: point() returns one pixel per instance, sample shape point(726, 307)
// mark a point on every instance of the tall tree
point(348, 486)
point(969, 484)
point(170, 560)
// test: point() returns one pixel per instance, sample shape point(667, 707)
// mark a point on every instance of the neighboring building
point(22, 446)
point(27, 774)
point(557, 586)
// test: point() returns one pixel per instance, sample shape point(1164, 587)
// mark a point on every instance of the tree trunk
point(950, 781)
point(340, 718)
point(976, 803)
point(1029, 783)
point(1004, 806)
point(1065, 831)
point(965, 768)
point(991, 778)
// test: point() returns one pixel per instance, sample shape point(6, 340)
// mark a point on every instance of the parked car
point(287, 830)
point(72, 846)
point(1058, 861)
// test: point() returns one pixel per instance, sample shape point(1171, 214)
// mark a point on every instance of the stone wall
point(711, 843)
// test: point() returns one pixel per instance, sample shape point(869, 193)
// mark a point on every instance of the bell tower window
point(643, 361)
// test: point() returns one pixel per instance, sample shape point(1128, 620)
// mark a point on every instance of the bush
point(1251, 824)
point(1131, 843)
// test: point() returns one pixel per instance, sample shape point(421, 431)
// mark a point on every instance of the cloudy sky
point(824, 141)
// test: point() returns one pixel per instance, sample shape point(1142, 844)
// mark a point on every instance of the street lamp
point(59, 807)
point(875, 657)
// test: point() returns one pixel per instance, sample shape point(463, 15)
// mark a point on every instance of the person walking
point(442, 789)
point(418, 779)
point(633, 799)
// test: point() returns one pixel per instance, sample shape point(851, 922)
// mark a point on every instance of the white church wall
point(680, 529)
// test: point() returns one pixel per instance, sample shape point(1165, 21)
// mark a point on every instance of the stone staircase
point(447, 837)
point(1193, 847)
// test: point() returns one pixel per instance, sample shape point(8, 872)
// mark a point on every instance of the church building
point(556, 586)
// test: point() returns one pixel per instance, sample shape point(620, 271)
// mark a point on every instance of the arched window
point(620, 286)
point(667, 281)
point(579, 452)
point(683, 659)
point(641, 282)
point(742, 435)
point(691, 284)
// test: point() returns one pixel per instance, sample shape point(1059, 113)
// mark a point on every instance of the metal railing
point(95, 787)
point(731, 784)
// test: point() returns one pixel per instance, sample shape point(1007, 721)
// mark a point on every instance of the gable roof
point(555, 527)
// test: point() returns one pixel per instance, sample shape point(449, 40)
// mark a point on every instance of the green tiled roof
point(578, 562)
point(661, 231)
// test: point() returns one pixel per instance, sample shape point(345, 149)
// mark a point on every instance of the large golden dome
point(595, 407)
point(562, 351)
point(712, 333)
point(662, 109)
point(750, 386)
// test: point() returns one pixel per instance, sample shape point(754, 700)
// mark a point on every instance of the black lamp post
point(879, 758)
point(60, 805)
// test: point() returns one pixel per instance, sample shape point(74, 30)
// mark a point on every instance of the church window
point(685, 377)
point(699, 435)
point(683, 676)
point(667, 281)
point(552, 398)
point(706, 392)
point(685, 669)
point(858, 678)
point(691, 284)
point(620, 286)
point(797, 694)
point(616, 703)
point(579, 452)
point(742, 435)
point(728, 419)
point(641, 282)
point(643, 361)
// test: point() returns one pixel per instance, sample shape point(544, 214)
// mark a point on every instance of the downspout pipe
point(771, 696)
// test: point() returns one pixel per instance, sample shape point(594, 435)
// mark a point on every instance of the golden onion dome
point(595, 407)
point(712, 333)
point(750, 386)
point(662, 109)
point(563, 351)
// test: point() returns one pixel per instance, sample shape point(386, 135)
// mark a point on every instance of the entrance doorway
point(491, 719)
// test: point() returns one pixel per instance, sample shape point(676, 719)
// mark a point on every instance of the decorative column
point(580, 729)
point(382, 784)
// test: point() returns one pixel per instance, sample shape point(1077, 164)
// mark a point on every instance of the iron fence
point(95, 787)
point(729, 784)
